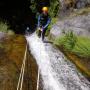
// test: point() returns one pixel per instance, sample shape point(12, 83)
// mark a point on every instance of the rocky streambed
point(12, 49)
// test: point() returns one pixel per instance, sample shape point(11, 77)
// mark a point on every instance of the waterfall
point(57, 72)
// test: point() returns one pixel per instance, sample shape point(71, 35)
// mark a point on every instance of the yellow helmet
point(45, 9)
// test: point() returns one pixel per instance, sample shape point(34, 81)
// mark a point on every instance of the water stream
point(57, 72)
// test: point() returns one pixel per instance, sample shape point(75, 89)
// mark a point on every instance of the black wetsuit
point(43, 22)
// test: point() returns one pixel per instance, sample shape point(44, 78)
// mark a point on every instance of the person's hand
point(41, 29)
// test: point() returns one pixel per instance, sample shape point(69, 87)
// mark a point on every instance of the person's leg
point(39, 33)
point(43, 34)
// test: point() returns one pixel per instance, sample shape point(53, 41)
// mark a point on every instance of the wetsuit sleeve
point(38, 21)
point(48, 22)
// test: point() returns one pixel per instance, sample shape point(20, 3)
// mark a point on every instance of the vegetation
point(82, 47)
point(53, 5)
point(5, 28)
point(75, 44)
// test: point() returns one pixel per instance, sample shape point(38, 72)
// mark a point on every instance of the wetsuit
point(43, 22)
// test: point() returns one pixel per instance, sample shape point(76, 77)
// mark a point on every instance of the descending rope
point(38, 80)
point(21, 77)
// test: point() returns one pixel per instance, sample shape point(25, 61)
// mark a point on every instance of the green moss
point(82, 47)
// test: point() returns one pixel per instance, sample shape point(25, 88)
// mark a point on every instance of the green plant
point(54, 7)
point(68, 41)
point(33, 6)
point(3, 27)
point(82, 47)
point(52, 4)
point(75, 44)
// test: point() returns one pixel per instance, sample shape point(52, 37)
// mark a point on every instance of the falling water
point(57, 72)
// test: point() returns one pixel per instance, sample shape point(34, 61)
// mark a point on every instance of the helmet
point(45, 9)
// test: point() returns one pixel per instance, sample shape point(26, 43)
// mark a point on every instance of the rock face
point(74, 3)
point(82, 3)
point(80, 25)
point(12, 50)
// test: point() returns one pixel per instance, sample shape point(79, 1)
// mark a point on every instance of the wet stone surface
point(12, 49)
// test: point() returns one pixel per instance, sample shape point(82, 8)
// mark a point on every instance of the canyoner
point(43, 22)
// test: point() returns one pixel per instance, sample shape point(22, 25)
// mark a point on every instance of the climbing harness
point(21, 77)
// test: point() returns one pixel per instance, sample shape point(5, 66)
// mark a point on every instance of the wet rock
point(80, 25)
point(11, 54)
point(66, 4)
point(2, 35)
point(11, 58)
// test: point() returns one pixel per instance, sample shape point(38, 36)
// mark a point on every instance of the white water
point(57, 72)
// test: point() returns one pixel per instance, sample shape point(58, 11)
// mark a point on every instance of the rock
point(55, 32)
point(2, 35)
point(80, 25)
point(11, 58)
point(74, 3)
point(80, 3)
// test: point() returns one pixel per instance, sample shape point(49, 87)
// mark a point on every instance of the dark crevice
point(17, 14)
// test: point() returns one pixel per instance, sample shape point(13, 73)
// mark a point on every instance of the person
point(43, 22)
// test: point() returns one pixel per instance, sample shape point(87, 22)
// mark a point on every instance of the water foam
point(38, 51)
point(57, 72)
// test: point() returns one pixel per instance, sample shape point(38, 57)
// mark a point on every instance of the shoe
point(43, 40)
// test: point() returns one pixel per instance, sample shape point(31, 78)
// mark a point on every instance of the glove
point(39, 28)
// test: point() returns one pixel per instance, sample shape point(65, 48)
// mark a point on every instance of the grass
point(82, 47)
point(75, 44)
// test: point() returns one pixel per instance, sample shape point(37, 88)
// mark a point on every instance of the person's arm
point(48, 22)
point(38, 21)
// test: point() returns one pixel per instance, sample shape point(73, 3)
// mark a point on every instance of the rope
point(38, 80)
point(21, 77)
